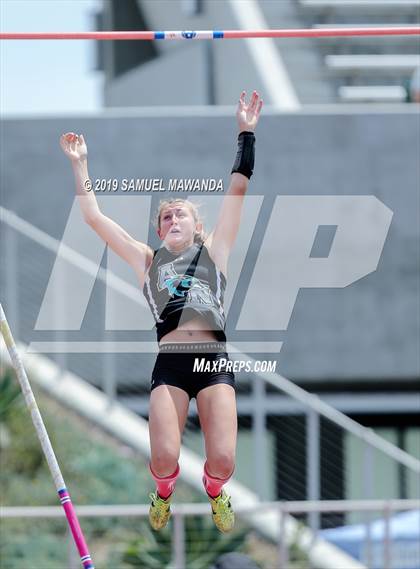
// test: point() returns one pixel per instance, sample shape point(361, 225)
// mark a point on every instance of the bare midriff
point(195, 330)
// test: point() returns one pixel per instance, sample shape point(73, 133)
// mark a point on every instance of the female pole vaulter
point(184, 283)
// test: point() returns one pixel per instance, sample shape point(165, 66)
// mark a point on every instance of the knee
point(164, 462)
point(221, 464)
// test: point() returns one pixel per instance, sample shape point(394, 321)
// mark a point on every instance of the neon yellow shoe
point(222, 511)
point(159, 511)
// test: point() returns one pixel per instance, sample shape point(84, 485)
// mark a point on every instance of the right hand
point(248, 114)
point(74, 146)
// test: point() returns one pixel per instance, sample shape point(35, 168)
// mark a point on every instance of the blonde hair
point(199, 237)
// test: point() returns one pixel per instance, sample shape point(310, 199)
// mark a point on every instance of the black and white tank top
point(179, 287)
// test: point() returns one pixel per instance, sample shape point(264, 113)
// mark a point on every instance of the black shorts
point(192, 367)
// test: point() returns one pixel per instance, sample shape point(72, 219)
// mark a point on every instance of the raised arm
point(222, 238)
point(137, 254)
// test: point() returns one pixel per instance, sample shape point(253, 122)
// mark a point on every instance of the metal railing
point(181, 511)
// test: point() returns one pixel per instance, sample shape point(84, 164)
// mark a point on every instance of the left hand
point(248, 115)
point(74, 146)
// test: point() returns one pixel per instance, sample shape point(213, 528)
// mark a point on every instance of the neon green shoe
point(159, 511)
point(222, 511)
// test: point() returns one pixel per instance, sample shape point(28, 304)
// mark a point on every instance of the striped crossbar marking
point(189, 35)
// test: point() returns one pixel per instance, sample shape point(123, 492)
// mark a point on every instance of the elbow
point(91, 218)
point(239, 189)
point(239, 184)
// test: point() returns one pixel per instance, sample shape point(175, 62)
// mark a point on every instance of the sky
point(48, 77)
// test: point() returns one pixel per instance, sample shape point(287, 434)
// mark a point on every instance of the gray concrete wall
point(368, 330)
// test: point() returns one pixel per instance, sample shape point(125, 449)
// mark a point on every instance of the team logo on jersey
point(190, 288)
point(165, 273)
point(183, 286)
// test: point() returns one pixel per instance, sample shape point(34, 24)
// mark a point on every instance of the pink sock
point(213, 485)
point(165, 484)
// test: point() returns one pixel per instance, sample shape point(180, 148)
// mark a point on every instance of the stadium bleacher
point(391, 64)
point(380, 93)
point(407, 9)
point(365, 69)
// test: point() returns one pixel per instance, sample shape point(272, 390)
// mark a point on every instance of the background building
point(169, 113)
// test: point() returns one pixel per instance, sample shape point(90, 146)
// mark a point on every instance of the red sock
point(213, 485)
point(165, 484)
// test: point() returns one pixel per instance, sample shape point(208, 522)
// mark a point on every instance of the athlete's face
point(177, 226)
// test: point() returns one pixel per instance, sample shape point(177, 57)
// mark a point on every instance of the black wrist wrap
point(244, 162)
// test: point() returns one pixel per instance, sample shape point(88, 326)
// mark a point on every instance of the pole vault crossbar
point(215, 34)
